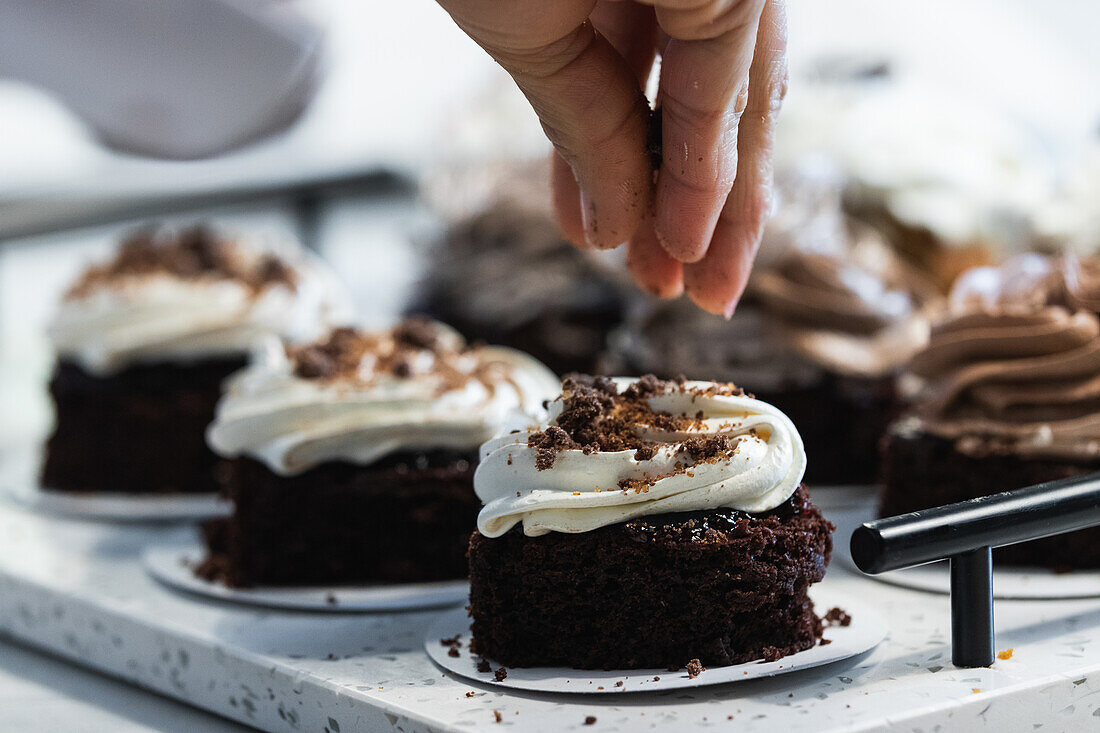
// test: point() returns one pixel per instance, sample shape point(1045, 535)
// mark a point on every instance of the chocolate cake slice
point(721, 586)
point(144, 342)
point(350, 459)
point(647, 524)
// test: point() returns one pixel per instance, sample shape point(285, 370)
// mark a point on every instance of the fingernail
point(730, 308)
point(588, 219)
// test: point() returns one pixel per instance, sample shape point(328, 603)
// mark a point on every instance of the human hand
point(582, 65)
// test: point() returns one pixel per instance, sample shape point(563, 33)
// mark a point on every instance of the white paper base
point(19, 483)
point(867, 629)
point(172, 565)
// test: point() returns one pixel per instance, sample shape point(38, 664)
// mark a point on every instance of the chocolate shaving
point(595, 417)
point(189, 254)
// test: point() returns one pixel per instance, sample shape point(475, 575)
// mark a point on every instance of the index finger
point(703, 91)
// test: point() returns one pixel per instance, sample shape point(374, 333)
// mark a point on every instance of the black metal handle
point(965, 533)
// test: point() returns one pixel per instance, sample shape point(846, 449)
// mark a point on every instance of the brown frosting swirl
point(1082, 277)
point(1015, 366)
point(859, 312)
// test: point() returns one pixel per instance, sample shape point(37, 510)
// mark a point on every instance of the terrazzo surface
point(77, 588)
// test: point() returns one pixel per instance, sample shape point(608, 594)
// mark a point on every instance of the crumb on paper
point(471, 693)
point(837, 617)
point(590, 720)
point(975, 690)
point(1006, 654)
point(695, 668)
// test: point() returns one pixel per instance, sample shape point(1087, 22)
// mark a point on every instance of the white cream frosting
point(292, 424)
point(581, 492)
point(152, 317)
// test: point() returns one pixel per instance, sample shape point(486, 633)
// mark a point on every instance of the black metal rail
point(965, 533)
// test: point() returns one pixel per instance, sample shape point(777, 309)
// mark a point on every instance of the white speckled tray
point(78, 589)
point(173, 565)
point(866, 630)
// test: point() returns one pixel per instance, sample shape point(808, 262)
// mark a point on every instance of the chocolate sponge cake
point(720, 586)
point(649, 523)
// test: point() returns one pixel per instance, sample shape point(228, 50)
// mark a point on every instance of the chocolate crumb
point(483, 666)
point(471, 693)
point(330, 599)
point(590, 720)
point(695, 668)
point(837, 617)
point(619, 683)
point(595, 417)
point(500, 674)
point(452, 640)
point(418, 333)
point(497, 716)
point(188, 254)
point(453, 652)
point(657, 679)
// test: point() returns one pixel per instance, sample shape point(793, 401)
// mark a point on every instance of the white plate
point(867, 629)
point(172, 565)
point(19, 482)
point(1009, 582)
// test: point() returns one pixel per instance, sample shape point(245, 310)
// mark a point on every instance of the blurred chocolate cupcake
point(830, 316)
point(1006, 394)
point(501, 272)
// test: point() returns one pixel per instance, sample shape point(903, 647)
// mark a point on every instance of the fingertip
point(566, 197)
point(685, 218)
point(652, 268)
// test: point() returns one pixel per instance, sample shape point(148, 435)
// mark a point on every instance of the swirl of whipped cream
point(1009, 373)
point(116, 321)
point(585, 489)
point(389, 397)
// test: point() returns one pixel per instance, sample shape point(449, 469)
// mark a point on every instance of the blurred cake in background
point(144, 341)
point(1005, 395)
point(953, 178)
point(501, 272)
point(351, 459)
point(830, 316)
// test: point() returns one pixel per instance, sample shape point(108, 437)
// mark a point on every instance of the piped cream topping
point(359, 396)
point(190, 295)
point(635, 448)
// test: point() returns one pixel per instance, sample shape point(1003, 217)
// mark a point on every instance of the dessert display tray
point(78, 589)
